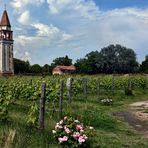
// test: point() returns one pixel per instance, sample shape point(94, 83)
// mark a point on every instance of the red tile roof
point(65, 67)
point(5, 20)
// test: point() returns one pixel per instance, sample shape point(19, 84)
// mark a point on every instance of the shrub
point(128, 92)
point(71, 133)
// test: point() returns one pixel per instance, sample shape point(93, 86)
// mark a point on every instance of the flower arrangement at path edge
point(71, 133)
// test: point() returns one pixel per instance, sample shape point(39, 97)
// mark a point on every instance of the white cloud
point(86, 9)
point(24, 18)
point(25, 55)
point(19, 4)
point(66, 36)
point(45, 30)
point(77, 26)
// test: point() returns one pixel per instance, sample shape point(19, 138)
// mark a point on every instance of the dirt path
point(137, 117)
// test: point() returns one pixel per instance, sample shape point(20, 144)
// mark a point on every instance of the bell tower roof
point(5, 19)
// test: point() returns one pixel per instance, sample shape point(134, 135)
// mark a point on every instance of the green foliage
point(4, 109)
point(46, 69)
point(88, 65)
point(23, 94)
point(72, 133)
point(36, 68)
point(21, 66)
point(111, 59)
point(144, 65)
point(66, 61)
point(29, 88)
point(32, 116)
point(128, 92)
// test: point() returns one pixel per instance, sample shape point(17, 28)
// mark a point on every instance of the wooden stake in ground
point(85, 87)
point(61, 98)
point(113, 85)
point(10, 139)
point(42, 106)
point(129, 84)
point(145, 81)
point(69, 88)
point(99, 91)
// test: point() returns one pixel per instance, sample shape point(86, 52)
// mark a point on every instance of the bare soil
point(136, 117)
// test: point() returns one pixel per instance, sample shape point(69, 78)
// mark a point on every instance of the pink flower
point(81, 139)
point(67, 130)
point(79, 127)
point(60, 140)
point(64, 139)
point(76, 135)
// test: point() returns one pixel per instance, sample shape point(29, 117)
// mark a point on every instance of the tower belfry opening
point(6, 46)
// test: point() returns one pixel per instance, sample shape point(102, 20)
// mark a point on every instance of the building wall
point(6, 57)
point(0, 57)
point(57, 72)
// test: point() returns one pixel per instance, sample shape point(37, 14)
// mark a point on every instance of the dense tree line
point(144, 65)
point(24, 67)
point(111, 59)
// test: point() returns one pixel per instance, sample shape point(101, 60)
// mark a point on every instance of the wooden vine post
point(85, 87)
point(61, 99)
point(113, 85)
point(145, 81)
point(42, 106)
point(129, 84)
point(99, 91)
point(69, 88)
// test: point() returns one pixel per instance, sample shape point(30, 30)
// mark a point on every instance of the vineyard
point(20, 97)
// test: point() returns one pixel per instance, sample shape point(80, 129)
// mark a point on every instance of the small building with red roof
point(60, 70)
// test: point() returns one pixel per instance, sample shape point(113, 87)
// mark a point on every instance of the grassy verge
point(111, 132)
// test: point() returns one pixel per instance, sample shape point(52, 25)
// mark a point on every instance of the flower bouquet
point(71, 133)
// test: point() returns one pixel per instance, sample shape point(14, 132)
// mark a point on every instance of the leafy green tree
point(117, 59)
point(21, 66)
point(111, 59)
point(46, 69)
point(88, 65)
point(66, 61)
point(36, 68)
point(81, 66)
point(144, 65)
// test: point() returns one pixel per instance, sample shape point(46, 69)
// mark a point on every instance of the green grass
point(111, 132)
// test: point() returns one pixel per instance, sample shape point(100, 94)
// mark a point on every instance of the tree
point(66, 61)
point(118, 59)
point(144, 65)
point(111, 59)
point(81, 66)
point(46, 69)
point(36, 68)
point(88, 64)
point(21, 66)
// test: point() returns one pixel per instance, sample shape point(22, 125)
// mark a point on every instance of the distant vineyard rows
point(29, 88)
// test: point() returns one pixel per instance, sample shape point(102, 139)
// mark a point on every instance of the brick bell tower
point(6, 46)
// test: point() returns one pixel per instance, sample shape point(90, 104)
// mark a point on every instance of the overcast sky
point(46, 29)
